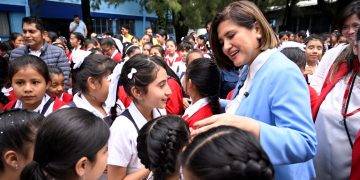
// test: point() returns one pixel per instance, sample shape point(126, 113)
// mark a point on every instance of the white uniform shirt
point(333, 158)
point(122, 142)
point(40, 107)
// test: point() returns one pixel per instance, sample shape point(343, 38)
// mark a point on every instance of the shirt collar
point(37, 109)
point(82, 102)
point(193, 108)
point(259, 61)
point(139, 118)
point(114, 53)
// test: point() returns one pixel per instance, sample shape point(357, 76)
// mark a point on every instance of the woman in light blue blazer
point(273, 103)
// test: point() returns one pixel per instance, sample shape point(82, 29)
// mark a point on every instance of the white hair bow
point(78, 58)
point(132, 72)
point(114, 78)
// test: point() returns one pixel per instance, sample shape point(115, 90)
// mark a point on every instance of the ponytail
point(214, 103)
point(32, 171)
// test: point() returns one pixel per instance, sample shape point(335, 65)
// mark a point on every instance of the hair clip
point(79, 57)
point(132, 72)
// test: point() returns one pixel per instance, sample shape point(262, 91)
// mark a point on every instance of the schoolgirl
point(313, 53)
point(57, 86)
point(202, 84)
point(157, 50)
point(159, 145)
point(91, 84)
point(17, 135)
point(130, 50)
point(180, 67)
point(30, 79)
point(146, 83)
point(76, 41)
point(71, 144)
point(172, 55)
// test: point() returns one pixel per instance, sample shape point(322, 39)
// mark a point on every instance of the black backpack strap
point(127, 114)
point(46, 106)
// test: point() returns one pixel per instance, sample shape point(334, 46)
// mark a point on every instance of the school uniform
point(174, 103)
point(171, 60)
point(80, 101)
point(198, 111)
point(66, 98)
point(47, 105)
point(116, 56)
point(276, 95)
point(123, 97)
point(180, 68)
point(123, 134)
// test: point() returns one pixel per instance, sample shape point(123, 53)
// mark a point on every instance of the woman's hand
point(241, 122)
point(186, 102)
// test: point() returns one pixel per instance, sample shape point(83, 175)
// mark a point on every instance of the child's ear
point(11, 159)
point(81, 167)
point(137, 93)
point(91, 82)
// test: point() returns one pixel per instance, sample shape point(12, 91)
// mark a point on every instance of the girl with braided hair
point(226, 152)
point(202, 84)
point(159, 144)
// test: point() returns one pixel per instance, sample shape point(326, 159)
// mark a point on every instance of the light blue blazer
point(279, 98)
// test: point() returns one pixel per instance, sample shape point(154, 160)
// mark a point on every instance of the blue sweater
point(279, 99)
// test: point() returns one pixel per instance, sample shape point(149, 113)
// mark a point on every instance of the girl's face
point(239, 44)
point(155, 52)
point(19, 41)
point(29, 87)
point(158, 91)
point(90, 46)
point(183, 53)
point(145, 39)
point(160, 39)
point(313, 50)
point(135, 42)
point(146, 49)
point(102, 89)
point(284, 38)
point(57, 85)
point(74, 42)
point(350, 28)
point(171, 47)
point(99, 165)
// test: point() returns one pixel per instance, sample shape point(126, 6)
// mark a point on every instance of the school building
point(57, 15)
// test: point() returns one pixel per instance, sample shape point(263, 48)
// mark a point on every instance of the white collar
point(193, 108)
point(114, 53)
point(37, 109)
point(139, 118)
point(6, 91)
point(259, 61)
point(81, 102)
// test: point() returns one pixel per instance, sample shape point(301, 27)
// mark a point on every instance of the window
point(4, 24)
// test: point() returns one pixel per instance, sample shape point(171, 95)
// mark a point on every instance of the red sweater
point(201, 114)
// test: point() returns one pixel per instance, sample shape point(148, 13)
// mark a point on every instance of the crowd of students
point(128, 108)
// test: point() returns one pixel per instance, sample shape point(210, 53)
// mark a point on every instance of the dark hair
point(160, 49)
point(171, 40)
point(146, 73)
point(314, 37)
point(126, 26)
point(283, 33)
point(29, 61)
point(90, 41)
point(17, 127)
point(185, 46)
point(134, 37)
point(244, 14)
point(296, 55)
point(80, 37)
point(52, 36)
point(163, 33)
point(148, 43)
point(55, 70)
point(76, 16)
point(94, 65)
point(129, 49)
point(188, 38)
point(66, 136)
point(302, 34)
point(205, 75)
point(96, 50)
point(160, 61)
point(192, 52)
point(159, 143)
point(108, 42)
point(227, 152)
point(36, 20)
point(347, 55)
point(12, 38)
